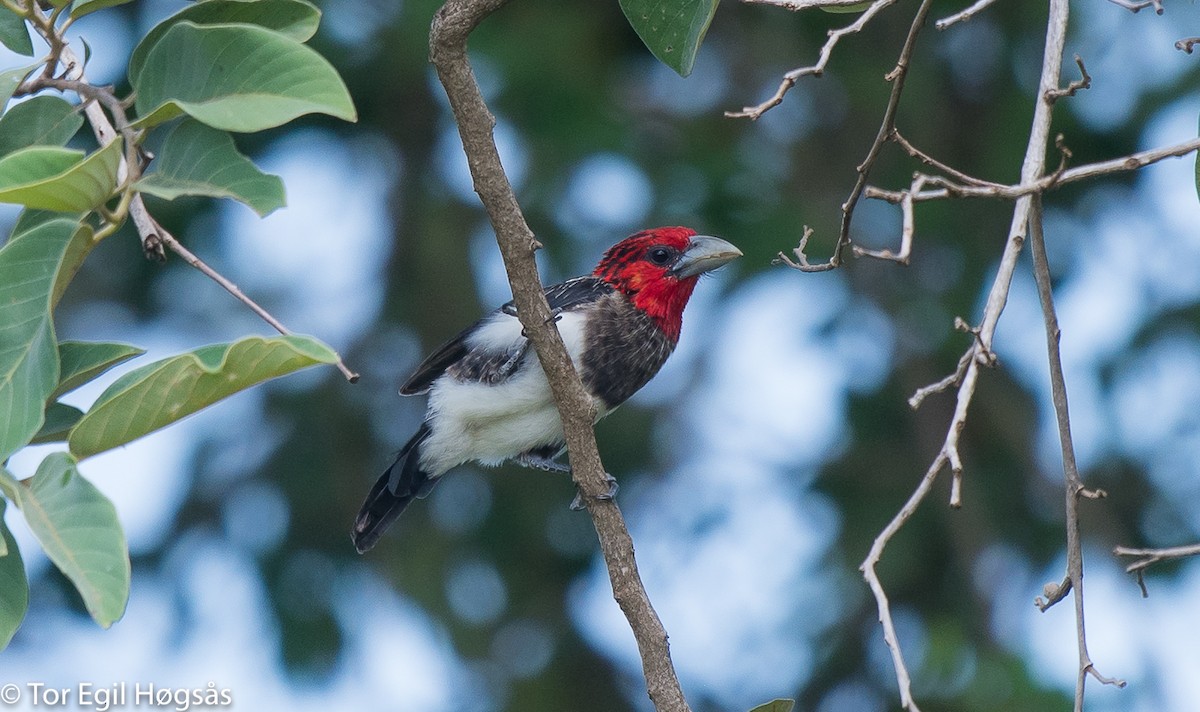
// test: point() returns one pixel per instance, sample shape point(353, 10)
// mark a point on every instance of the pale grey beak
point(704, 253)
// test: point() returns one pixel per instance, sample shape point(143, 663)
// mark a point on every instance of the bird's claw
point(577, 503)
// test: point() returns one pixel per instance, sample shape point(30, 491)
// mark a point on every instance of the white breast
point(491, 423)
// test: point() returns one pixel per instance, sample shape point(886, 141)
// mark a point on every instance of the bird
point(489, 400)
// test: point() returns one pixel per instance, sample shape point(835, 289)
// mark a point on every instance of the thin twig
point(1149, 557)
point(1045, 183)
point(1084, 82)
point(452, 25)
point(1187, 44)
point(816, 70)
point(897, 138)
point(963, 15)
point(1136, 5)
point(896, 76)
point(1074, 483)
point(168, 240)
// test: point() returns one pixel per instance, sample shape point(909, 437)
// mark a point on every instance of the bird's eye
point(660, 255)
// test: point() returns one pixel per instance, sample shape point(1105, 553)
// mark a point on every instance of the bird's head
point(657, 269)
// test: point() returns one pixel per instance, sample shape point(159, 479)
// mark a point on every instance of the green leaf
point(14, 589)
point(81, 361)
point(79, 529)
point(42, 121)
point(199, 160)
point(83, 7)
point(52, 178)
point(671, 29)
point(10, 79)
point(160, 393)
point(14, 34)
point(779, 705)
point(33, 270)
point(237, 78)
point(60, 418)
point(294, 18)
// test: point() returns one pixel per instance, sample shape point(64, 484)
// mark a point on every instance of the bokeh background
point(755, 469)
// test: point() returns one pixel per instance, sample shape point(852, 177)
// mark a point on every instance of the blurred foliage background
point(762, 462)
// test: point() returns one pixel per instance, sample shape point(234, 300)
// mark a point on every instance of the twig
point(1074, 483)
point(167, 239)
point(963, 15)
point(872, 578)
point(1187, 44)
point(1045, 183)
point(1084, 82)
point(896, 77)
point(452, 25)
point(899, 140)
point(816, 70)
point(1149, 557)
point(1135, 5)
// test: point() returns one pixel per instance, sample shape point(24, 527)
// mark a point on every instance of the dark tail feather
point(395, 488)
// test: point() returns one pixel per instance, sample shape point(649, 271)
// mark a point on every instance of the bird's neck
point(664, 301)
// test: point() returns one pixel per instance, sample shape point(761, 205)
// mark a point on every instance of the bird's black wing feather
point(562, 297)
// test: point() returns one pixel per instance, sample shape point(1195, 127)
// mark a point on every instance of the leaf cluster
point(213, 68)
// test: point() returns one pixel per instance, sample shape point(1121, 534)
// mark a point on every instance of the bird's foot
point(577, 503)
point(542, 462)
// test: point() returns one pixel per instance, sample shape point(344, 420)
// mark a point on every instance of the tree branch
point(1032, 169)
point(816, 70)
point(1149, 557)
point(963, 15)
point(1074, 483)
point(896, 76)
point(452, 25)
point(1043, 184)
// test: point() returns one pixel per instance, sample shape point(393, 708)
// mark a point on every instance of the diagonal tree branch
point(452, 25)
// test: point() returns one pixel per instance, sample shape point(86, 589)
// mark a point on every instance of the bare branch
point(932, 162)
point(1187, 44)
point(887, 127)
point(1084, 82)
point(1149, 557)
point(1044, 184)
point(816, 70)
point(1074, 483)
point(452, 25)
point(903, 679)
point(1032, 169)
point(801, 262)
point(1136, 5)
point(963, 15)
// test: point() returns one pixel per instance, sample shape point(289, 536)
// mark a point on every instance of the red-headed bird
point(488, 398)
